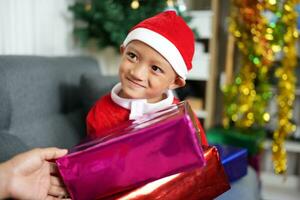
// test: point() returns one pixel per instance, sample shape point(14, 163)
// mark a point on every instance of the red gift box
point(203, 183)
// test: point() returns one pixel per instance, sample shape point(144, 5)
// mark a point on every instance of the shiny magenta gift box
point(133, 154)
point(204, 183)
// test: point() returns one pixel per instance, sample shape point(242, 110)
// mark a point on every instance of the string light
point(170, 3)
point(135, 4)
point(88, 7)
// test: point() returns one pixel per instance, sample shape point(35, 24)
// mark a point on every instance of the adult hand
point(28, 175)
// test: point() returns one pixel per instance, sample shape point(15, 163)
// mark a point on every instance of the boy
point(156, 56)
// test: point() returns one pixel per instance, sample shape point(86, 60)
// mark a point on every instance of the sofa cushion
point(93, 86)
point(5, 102)
point(37, 87)
point(59, 130)
point(10, 145)
point(40, 99)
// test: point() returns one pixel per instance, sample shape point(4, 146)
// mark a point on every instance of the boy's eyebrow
point(135, 50)
point(132, 48)
point(159, 63)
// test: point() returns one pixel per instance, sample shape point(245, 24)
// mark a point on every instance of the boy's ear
point(122, 49)
point(178, 82)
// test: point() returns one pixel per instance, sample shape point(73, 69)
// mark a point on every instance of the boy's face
point(145, 74)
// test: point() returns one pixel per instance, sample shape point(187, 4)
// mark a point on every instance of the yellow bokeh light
point(88, 7)
point(269, 30)
point(255, 39)
point(284, 77)
point(253, 93)
point(237, 33)
point(234, 117)
point(269, 37)
point(250, 115)
point(244, 108)
point(135, 4)
point(295, 34)
point(294, 128)
point(276, 48)
point(266, 117)
point(272, 2)
point(170, 3)
point(275, 148)
point(287, 7)
point(246, 91)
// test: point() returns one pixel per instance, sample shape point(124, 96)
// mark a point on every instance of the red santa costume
point(169, 35)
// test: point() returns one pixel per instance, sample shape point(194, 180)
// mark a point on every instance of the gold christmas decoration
point(265, 32)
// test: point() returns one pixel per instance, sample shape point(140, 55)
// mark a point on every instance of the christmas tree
point(107, 22)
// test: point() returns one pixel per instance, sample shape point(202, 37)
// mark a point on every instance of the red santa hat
point(169, 35)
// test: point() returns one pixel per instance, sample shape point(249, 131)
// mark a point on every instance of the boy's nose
point(139, 72)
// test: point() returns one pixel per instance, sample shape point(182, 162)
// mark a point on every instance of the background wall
point(44, 27)
point(36, 27)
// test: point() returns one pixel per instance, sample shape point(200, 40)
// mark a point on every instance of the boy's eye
point(156, 69)
point(131, 56)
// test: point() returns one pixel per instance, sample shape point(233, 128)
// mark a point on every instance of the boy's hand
point(29, 175)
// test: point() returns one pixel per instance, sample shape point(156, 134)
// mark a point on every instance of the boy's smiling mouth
point(135, 83)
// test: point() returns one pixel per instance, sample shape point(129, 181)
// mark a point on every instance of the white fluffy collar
point(138, 107)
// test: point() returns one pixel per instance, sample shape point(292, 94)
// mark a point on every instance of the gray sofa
point(43, 100)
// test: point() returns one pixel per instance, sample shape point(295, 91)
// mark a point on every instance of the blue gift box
point(234, 160)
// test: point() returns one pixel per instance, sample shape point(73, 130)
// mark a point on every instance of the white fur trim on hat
point(162, 45)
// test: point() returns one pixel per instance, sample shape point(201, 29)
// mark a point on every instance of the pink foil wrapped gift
point(133, 154)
